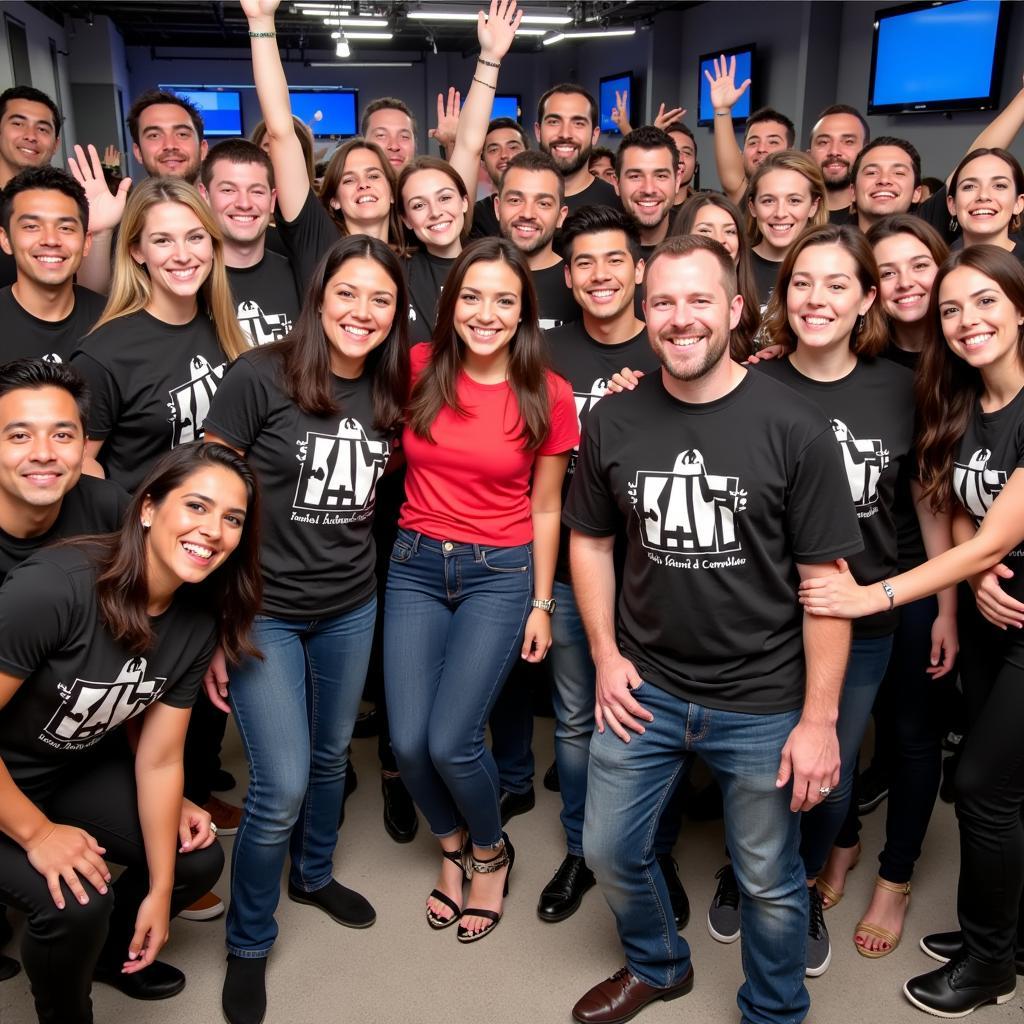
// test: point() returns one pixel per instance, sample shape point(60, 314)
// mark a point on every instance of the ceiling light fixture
point(343, 49)
point(358, 64)
point(370, 35)
point(528, 19)
point(357, 22)
point(588, 34)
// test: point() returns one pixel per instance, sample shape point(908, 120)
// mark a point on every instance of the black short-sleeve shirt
point(79, 684)
point(150, 384)
point(318, 475)
point(766, 274)
point(25, 336)
point(266, 299)
point(426, 275)
point(871, 410)
point(555, 304)
point(485, 220)
point(720, 501)
point(308, 237)
point(597, 193)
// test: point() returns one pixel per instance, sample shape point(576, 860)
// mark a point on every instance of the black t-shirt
point(990, 450)
point(597, 193)
point(79, 684)
point(25, 336)
point(766, 274)
point(555, 304)
point(935, 211)
point(1016, 240)
point(308, 237)
point(485, 220)
point(266, 299)
point(720, 500)
point(8, 269)
point(844, 215)
point(426, 276)
point(151, 385)
point(588, 366)
point(871, 410)
point(91, 506)
point(318, 477)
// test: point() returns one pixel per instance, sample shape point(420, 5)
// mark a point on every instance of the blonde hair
point(131, 288)
point(787, 160)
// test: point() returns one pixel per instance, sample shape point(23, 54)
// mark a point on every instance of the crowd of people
point(725, 473)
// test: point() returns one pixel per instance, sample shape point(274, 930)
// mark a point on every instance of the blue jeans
point(629, 785)
point(869, 657)
point(295, 712)
point(454, 616)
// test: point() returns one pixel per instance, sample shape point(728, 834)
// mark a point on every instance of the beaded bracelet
point(489, 63)
point(482, 82)
point(262, 35)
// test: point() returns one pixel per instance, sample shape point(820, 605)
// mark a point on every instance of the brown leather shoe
point(622, 996)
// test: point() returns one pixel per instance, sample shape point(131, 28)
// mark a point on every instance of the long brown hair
point(437, 385)
point(741, 342)
point(332, 179)
point(871, 334)
point(787, 160)
point(131, 288)
point(947, 387)
point(306, 353)
point(232, 592)
point(1016, 173)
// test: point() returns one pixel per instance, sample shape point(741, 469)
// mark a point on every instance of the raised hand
point(724, 92)
point(620, 115)
point(496, 30)
point(667, 117)
point(112, 157)
point(447, 119)
point(105, 210)
point(260, 8)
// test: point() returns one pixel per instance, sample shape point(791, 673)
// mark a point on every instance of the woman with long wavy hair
point(487, 441)
point(155, 357)
point(95, 634)
point(970, 391)
point(986, 199)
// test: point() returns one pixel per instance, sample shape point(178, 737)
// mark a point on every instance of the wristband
point(262, 35)
point(889, 593)
point(723, 113)
point(489, 63)
point(482, 82)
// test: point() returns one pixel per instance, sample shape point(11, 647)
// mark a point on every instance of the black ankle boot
point(244, 997)
point(961, 986)
point(946, 946)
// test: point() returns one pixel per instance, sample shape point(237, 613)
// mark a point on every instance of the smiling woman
point(986, 196)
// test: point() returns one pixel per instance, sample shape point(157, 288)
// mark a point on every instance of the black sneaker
point(819, 948)
point(872, 789)
point(724, 912)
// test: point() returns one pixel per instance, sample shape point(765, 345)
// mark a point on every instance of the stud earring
point(146, 524)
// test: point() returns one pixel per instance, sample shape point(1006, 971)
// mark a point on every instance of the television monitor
point(610, 85)
point(220, 109)
point(937, 56)
point(336, 107)
point(744, 69)
point(506, 105)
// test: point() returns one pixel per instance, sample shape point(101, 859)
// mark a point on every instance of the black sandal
point(506, 857)
point(435, 921)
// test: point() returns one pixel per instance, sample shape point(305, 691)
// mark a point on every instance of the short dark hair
point(509, 122)
point(26, 92)
point(385, 103)
point(534, 160)
point(686, 245)
point(890, 140)
point(153, 97)
point(235, 151)
point(51, 179)
point(771, 114)
point(569, 89)
point(678, 126)
point(589, 220)
point(34, 374)
point(601, 153)
point(845, 108)
point(647, 137)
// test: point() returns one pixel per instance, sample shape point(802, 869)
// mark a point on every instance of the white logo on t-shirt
point(259, 327)
point(90, 709)
point(688, 509)
point(52, 357)
point(339, 472)
point(864, 460)
point(976, 485)
point(191, 402)
point(585, 401)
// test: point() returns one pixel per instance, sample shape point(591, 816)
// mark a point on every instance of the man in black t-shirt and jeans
point(730, 489)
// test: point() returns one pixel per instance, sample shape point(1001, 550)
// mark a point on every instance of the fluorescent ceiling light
point(359, 64)
point(532, 31)
point(358, 22)
point(317, 10)
point(588, 34)
point(370, 35)
point(528, 19)
point(343, 49)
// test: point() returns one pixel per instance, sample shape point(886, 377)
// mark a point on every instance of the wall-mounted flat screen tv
point(610, 85)
point(937, 56)
point(221, 110)
point(744, 69)
point(328, 112)
point(506, 105)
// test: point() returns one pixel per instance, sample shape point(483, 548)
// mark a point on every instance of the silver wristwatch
point(547, 604)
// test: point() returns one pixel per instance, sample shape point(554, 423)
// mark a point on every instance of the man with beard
point(686, 146)
point(838, 136)
point(567, 129)
point(389, 122)
point(29, 135)
point(647, 169)
point(886, 179)
point(505, 139)
point(730, 489)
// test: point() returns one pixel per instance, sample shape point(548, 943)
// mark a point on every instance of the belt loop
point(478, 553)
point(416, 542)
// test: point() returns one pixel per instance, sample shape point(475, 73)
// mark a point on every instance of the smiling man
point(839, 134)
point(389, 122)
point(505, 140)
point(44, 228)
point(647, 169)
point(886, 179)
point(167, 135)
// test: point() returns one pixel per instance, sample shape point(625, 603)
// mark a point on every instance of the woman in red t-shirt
point(487, 441)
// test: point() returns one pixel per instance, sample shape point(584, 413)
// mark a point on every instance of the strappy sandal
point(834, 896)
point(459, 857)
point(877, 931)
point(506, 856)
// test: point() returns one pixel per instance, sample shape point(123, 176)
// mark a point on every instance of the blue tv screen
point(337, 111)
point(505, 106)
point(609, 87)
point(221, 110)
point(929, 57)
point(744, 69)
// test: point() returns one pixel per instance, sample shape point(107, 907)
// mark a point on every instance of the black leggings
point(990, 793)
point(61, 948)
